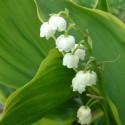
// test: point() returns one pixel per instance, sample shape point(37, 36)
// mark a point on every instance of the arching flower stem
point(90, 100)
point(71, 26)
point(99, 74)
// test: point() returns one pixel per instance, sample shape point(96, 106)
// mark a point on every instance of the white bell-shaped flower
point(84, 115)
point(70, 60)
point(57, 23)
point(80, 52)
point(83, 79)
point(65, 43)
point(46, 31)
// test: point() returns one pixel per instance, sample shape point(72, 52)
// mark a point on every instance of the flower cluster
point(65, 42)
point(73, 52)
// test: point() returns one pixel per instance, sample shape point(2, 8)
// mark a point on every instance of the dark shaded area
point(76, 123)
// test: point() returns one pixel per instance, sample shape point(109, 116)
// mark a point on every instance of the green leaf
point(66, 111)
point(114, 112)
point(64, 115)
point(21, 48)
point(87, 3)
point(49, 89)
point(103, 5)
point(47, 121)
point(107, 34)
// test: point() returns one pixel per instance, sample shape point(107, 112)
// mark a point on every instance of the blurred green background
point(117, 8)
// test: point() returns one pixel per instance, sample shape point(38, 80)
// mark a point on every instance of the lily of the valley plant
point(61, 74)
point(74, 54)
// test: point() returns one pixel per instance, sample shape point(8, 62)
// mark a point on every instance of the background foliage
point(117, 8)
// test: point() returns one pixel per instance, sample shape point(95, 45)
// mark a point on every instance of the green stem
point(101, 86)
point(86, 66)
point(100, 77)
point(99, 74)
point(68, 29)
point(93, 103)
point(84, 38)
point(90, 100)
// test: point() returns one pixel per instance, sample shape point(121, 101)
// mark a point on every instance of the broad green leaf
point(107, 34)
point(64, 115)
point(49, 89)
point(21, 48)
point(66, 111)
point(103, 5)
point(87, 3)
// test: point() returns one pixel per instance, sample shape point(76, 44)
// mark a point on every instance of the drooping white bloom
point(46, 31)
point(84, 115)
point(80, 52)
point(83, 79)
point(57, 23)
point(70, 60)
point(79, 82)
point(65, 43)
